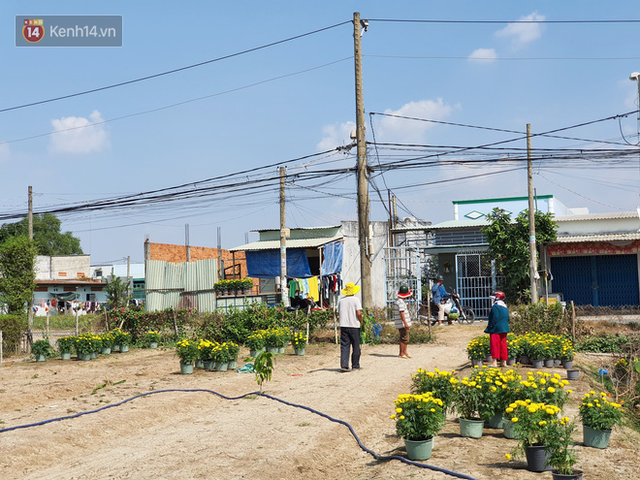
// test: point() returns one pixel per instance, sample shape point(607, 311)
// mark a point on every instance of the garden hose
point(341, 422)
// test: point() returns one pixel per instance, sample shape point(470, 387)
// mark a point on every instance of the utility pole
point(532, 222)
point(283, 245)
point(186, 242)
point(129, 281)
point(363, 187)
point(30, 224)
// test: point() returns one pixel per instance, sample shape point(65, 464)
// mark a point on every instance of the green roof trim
point(492, 200)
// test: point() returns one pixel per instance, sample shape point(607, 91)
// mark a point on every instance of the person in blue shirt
point(497, 328)
point(439, 293)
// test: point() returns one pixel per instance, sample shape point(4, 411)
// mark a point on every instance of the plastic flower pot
point(595, 438)
point(419, 449)
point(471, 428)
point(573, 374)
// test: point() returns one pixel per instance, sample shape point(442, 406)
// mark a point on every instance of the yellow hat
point(350, 289)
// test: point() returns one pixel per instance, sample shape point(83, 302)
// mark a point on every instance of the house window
point(91, 297)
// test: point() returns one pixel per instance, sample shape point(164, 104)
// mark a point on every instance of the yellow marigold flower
point(551, 390)
point(393, 417)
point(398, 410)
point(401, 417)
point(507, 456)
point(509, 410)
point(514, 419)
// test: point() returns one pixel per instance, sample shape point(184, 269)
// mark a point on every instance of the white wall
point(62, 267)
point(598, 226)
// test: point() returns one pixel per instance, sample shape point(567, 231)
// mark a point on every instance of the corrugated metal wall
point(181, 285)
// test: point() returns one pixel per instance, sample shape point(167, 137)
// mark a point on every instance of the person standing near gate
point(350, 313)
point(438, 293)
point(497, 328)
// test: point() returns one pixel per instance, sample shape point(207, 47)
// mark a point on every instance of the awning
point(332, 262)
point(266, 263)
point(66, 297)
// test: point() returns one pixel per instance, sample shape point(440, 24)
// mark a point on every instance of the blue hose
point(370, 452)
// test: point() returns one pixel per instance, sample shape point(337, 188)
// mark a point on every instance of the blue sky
point(299, 100)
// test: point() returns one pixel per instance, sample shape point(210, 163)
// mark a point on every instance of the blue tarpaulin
point(266, 263)
point(332, 258)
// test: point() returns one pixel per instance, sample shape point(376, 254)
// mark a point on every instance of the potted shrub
point(256, 343)
point(246, 285)
point(107, 340)
point(533, 424)
point(598, 416)
point(221, 356)
point(418, 419)
point(84, 345)
point(299, 342)
point(563, 455)
point(234, 350)
point(40, 349)
point(567, 352)
point(152, 338)
point(439, 382)
point(543, 387)
point(514, 349)
point(65, 346)
point(187, 351)
point(468, 404)
point(121, 338)
point(96, 345)
point(478, 350)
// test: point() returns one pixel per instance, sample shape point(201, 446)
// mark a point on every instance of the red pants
point(498, 344)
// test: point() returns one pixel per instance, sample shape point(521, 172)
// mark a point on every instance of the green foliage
point(509, 247)
point(187, 350)
point(12, 326)
point(41, 347)
point(438, 382)
point(17, 273)
point(541, 318)
point(563, 454)
point(602, 344)
point(65, 344)
point(263, 365)
point(117, 290)
point(48, 238)
point(598, 412)
point(418, 417)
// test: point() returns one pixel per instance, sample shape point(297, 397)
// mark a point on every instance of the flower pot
point(575, 475)
point(595, 438)
point(509, 429)
point(511, 361)
point(273, 349)
point(208, 365)
point(537, 363)
point(497, 421)
point(222, 366)
point(93, 355)
point(115, 348)
point(41, 358)
point(186, 368)
point(476, 363)
point(524, 360)
point(153, 344)
point(567, 364)
point(65, 356)
point(537, 458)
point(84, 357)
point(419, 449)
point(124, 348)
point(300, 351)
point(548, 363)
point(281, 349)
point(557, 362)
point(488, 359)
point(233, 364)
point(471, 428)
point(106, 350)
point(573, 374)
point(253, 353)
point(199, 364)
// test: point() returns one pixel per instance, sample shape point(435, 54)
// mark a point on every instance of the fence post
point(1, 340)
point(77, 326)
point(573, 321)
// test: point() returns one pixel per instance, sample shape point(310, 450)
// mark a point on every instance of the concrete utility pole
point(129, 280)
point(532, 222)
point(363, 187)
point(284, 291)
point(30, 224)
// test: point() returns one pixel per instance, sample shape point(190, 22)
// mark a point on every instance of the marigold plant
point(439, 382)
point(597, 412)
point(418, 417)
point(187, 350)
point(533, 422)
point(478, 348)
point(299, 340)
point(256, 341)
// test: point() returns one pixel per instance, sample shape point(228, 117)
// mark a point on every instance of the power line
point(480, 22)
point(466, 57)
point(175, 70)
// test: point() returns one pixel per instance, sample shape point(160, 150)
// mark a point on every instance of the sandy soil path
point(193, 435)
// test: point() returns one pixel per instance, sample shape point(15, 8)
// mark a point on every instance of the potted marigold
point(234, 350)
point(221, 356)
point(598, 416)
point(65, 346)
point(299, 342)
point(256, 343)
point(152, 338)
point(40, 349)
point(187, 351)
point(563, 455)
point(478, 350)
point(418, 419)
point(439, 382)
point(84, 345)
point(468, 404)
point(205, 353)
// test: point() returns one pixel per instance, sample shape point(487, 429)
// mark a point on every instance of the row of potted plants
point(529, 409)
point(533, 346)
point(276, 339)
point(208, 354)
point(223, 287)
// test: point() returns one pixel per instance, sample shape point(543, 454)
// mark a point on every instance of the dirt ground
point(193, 435)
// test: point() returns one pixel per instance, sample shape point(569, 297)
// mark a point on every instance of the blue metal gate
point(598, 280)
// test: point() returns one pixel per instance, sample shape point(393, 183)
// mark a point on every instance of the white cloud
point(483, 55)
point(523, 33)
point(78, 135)
point(335, 135)
point(4, 151)
point(407, 131)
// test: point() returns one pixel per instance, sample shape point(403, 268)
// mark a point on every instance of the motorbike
point(453, 310)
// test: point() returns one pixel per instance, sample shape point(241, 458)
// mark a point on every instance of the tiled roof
point(616, 237)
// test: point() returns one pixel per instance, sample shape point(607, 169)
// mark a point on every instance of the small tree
point(509, 247)
point(117, 290)
point(17, 273)
point(47, 236)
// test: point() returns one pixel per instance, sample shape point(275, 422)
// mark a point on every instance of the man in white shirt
point(350, 313)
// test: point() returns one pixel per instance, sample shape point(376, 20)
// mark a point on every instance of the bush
point(603, 344)
point(12, 326)
point(540, 318)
